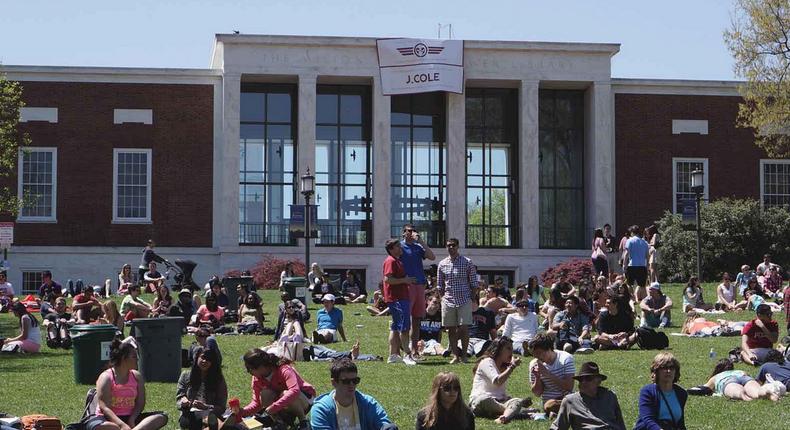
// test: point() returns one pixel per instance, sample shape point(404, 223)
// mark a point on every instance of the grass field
point(44, 383)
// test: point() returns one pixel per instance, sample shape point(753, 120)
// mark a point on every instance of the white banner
point(411, 66)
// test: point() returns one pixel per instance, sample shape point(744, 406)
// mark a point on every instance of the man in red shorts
point(414, 251)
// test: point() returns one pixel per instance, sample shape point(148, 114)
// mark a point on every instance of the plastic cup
point(234, 403)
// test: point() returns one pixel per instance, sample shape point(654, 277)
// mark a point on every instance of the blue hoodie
point(323, 415)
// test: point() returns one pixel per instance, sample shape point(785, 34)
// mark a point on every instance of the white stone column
point(602, 162)
point(382, 167)
point(456, 167)
point(305, 149)
point(529, 193)
point(306, 125)
point(226, 211)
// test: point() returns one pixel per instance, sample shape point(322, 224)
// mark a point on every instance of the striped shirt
point(456, 279)
point(563, 366)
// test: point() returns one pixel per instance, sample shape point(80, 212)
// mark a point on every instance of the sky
point(667, 39)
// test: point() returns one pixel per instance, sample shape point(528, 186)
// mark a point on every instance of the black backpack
point(91, 405)
point(647, 338)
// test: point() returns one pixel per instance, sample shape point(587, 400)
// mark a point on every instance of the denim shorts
point(401, 315)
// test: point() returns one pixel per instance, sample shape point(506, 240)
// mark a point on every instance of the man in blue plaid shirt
point(457, 281)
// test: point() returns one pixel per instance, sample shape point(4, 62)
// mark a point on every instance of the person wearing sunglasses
point(345, 407)
point(456, 278)
point(759, 336)
point(445, 408)
point(593, 406)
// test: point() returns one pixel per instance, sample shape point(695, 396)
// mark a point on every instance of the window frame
point(39, 271)
point(53, 218)
point(148, 174)
point(764, 162)
point(675, 161)
point(580, 129)
point(511, 135)
point(366, 127)
point(438, 238)
point(272, 88)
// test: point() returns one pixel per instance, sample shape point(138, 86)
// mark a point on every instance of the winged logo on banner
point(420, 50)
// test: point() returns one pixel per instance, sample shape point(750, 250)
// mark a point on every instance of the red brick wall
point(645, 146)
point(181, 139)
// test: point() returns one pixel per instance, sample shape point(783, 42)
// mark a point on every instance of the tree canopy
point(759, 40)
point(11, 139)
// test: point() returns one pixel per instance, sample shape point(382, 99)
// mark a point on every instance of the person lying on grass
point(695, 325)
point(735, 384)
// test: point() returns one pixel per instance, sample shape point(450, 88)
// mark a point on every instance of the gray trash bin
point(296, 287)
point(159, 340)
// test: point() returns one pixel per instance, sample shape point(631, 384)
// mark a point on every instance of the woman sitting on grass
point(162, 303)
point(202, 391)
point(125, 279)
point(29, 339)
point(661, 404)
point(210, 313)
point(120, 391)
point(725, 293)
point(379, 307)
point(735, 384)
point(489, 397)
point(251, 310)
point(111, 315)
point(692, 296)
point(446, 408)
point(277, 388)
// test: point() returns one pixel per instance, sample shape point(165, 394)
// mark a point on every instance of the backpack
point(647, 338)
point(91, 405)
point(41, 422)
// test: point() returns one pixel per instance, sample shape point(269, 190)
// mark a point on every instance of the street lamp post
point(698, 187)
point(308, 189)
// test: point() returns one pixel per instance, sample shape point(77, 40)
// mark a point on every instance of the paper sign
point(105, 351)
point(6, 233)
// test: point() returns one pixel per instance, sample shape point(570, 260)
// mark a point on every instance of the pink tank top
point(123, 396)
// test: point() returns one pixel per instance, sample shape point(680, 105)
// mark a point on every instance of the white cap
point(655, 286)
point(329, 297)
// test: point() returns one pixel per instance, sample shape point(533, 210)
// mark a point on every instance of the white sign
point(6, 233)
point(104, 350)
point(410, 66)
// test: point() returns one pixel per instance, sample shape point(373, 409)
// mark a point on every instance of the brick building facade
point(206, 162)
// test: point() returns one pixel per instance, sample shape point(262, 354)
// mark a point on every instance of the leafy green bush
point(734, 232)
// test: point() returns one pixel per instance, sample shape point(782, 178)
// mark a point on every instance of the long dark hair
point(532, 285)
point(496, 347)
point(257, 357)
point(119, 350)
point(21, 310)
point(722, 365)
point(455, 417)
point(214, 374)
point(212, 298)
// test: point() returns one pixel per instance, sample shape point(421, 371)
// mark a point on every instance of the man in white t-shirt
point(521, 326)
point(550, 372)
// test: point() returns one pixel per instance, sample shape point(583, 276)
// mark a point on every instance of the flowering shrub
point(577, 269)
point(266, 272)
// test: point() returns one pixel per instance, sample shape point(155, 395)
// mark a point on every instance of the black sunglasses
point(449, 388)
point(349, 381)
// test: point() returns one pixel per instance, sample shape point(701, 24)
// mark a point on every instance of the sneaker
point(662, 325)
point(394, 359)
point(455, 360)
point(409, 361)
point(584, 351)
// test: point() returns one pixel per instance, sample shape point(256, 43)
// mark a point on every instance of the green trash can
point(296, 287)
point(159, 342)
point(91, 344)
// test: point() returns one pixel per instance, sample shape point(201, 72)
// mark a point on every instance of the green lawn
point(44, 383)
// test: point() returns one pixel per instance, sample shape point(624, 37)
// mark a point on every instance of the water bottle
point(712, 354)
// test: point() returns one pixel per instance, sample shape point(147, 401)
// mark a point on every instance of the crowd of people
point(612, 307)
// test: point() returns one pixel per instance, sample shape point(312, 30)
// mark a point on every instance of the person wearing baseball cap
point(656, 308)
point(593, 406)
point(759, 336)
point(329, 322)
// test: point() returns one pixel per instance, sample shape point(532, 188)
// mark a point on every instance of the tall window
point(343, 162)
point(491, 168)
point(267, 163)
point(131, 185)
point(37, 184)
point(775, 182)
point(561, 173)
point(419, 166)
point(681, 182)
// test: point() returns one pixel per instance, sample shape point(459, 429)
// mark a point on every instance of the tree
point(479, 234)
point(759, 40)
point(11, 139)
